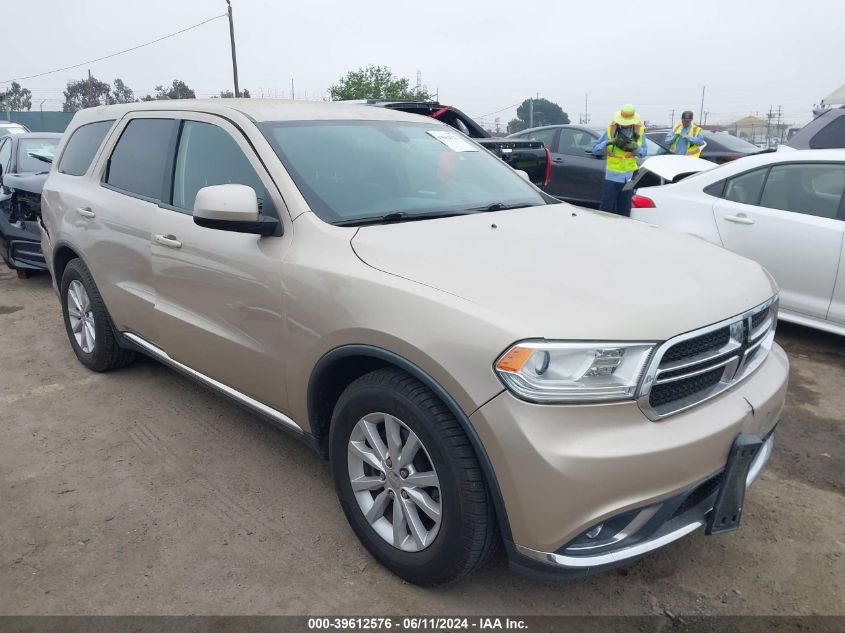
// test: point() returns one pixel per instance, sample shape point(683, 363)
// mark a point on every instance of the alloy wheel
point(394, 482)
point(81, 317)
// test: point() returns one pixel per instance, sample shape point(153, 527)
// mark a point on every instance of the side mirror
point(592, 155)
point(231, 208)
point(523, 174)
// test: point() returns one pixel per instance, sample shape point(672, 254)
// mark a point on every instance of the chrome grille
point(698, 365)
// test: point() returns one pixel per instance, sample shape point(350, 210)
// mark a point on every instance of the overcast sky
point(481, 56)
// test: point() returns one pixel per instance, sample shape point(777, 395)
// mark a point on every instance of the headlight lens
point(573, 372)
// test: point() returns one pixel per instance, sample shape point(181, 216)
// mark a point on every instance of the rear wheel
point(408, 480)
point(87, 322)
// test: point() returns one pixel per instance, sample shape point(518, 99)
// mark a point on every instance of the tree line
point(369, 82)
point(91, 92)
point(378, 82)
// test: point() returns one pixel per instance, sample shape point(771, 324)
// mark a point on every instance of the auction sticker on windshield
point(453, 142)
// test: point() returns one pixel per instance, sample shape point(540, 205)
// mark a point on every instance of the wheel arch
point(339, 367)
point(63, 254)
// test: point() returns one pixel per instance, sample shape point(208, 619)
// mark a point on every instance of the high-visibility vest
point(620, 161)
point(692, 149)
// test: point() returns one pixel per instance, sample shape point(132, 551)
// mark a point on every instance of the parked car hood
point(670, 166)
point(558, 271)
point(30, 182)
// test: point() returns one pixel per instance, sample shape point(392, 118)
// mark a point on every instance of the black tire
point(106, 353)
point(468, 531)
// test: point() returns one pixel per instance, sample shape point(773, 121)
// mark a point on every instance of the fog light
point(595, 531)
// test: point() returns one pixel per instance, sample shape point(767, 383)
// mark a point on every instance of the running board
point(251, 403)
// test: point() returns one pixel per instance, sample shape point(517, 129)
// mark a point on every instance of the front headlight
point(540, 371)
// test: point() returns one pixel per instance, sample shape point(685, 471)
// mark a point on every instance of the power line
point(497, 111)
point(99, 59)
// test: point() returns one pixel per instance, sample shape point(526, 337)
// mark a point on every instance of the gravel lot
point(141, 492)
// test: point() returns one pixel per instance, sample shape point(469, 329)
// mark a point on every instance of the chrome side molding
point(159, 354)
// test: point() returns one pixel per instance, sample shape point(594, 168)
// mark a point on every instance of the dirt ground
point(141, 492)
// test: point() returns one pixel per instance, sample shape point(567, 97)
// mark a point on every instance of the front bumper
point(563, 469)
point(21, 247)
point(671, 520)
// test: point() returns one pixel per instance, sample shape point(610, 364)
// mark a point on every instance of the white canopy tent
point(837, 97)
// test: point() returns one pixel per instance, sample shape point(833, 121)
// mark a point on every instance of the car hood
point(558, 271)
point(30, 182)
point(670, 166)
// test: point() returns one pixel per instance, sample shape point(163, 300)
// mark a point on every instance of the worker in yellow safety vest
point(622, 143)
point(685, 139)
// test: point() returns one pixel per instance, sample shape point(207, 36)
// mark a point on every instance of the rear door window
point(746, 188)
point(546, 136)
point(82, 147)
point(139, 162)
point(575, 142)
point(814, 189)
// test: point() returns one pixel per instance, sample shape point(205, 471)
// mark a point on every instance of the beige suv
point(477, 360)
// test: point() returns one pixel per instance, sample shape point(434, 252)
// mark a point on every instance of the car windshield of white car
point(366, 170)
point(36, 154)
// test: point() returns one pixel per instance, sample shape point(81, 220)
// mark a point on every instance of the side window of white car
point(207, 156)
point(746, 188)
point(811, 188)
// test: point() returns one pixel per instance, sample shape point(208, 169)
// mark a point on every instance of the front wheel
point(408, 480)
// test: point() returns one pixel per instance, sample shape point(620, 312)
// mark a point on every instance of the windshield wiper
point(398, 216)
point(499, 206)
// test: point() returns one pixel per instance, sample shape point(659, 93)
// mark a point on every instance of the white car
point(7, 128)
point(785, 210)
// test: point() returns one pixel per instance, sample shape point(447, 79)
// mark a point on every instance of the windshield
point(349, 170)
point(29, 148)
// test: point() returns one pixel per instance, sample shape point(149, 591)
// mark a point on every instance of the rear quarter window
point(831, 135)
point(82, 147)
point(716, 189)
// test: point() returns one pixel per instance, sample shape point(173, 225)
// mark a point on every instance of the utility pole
point(769, 117)
point(779, 128)
point(701, 111)
point(234, 57)
point(673, 118)
point(586, 110)
point(530, 112)
point(292, 93)
point(41, 107)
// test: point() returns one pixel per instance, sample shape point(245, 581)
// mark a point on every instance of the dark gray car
point(576, 175)
point(826, 131)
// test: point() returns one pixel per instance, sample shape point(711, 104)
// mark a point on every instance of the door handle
point(557, 160)
point(86, 212)
point(739, 219)
point(168, 240)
